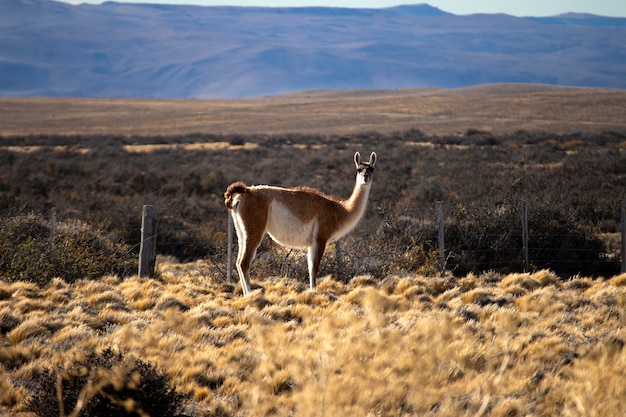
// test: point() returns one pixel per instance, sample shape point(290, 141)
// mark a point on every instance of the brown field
point(404, 343)
point(496, 108)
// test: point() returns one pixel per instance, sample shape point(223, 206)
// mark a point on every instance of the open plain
point(496, 108)
point(383, 334)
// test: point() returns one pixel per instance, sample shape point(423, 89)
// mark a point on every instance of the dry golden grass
point(492, 345)
point(496, 108)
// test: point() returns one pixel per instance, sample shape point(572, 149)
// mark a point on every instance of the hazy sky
point(513, 7)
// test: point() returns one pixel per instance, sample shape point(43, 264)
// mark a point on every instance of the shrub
point(178, 238)
point(28, 252)
point(490, 239)
point(108, 385)
point(567, 248)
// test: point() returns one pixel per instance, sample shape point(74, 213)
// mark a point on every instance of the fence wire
point(367, 255)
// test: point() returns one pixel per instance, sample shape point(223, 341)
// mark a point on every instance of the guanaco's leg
point(249, 241)
point(315, 253)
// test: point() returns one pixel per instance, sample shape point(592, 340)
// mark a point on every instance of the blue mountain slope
point(48, 48)
point(581, 19)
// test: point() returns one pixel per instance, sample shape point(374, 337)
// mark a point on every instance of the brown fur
point(234, 188)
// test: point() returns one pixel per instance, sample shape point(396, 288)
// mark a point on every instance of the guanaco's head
point(364, 170)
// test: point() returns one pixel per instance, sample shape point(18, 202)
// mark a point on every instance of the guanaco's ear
point(357, 159)
point(373, 159)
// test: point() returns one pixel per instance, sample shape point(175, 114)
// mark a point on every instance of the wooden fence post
point(147, 252)
point(623, 220)
point(525, 235)
point(229, 263)
point(442, 250)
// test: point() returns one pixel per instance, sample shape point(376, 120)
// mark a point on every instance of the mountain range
point(49, 48)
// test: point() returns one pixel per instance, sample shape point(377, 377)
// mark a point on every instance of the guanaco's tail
point(234, 188)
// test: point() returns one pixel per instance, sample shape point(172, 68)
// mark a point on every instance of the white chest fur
point(289, 230)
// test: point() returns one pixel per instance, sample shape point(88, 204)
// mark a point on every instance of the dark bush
point(108, 385)
point(28, 252)
point(176, 238)
point(557, 243)
point(490, 238)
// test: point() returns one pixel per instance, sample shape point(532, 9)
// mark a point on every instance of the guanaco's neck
point(355, 205)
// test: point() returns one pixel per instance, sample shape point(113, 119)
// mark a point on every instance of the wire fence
point(442, 248)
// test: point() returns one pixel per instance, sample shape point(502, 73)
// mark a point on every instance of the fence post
point(442, 251)
point(53, 222)
point(147, 252)
point(231, 226)
point(623, 220)
point(525, 234)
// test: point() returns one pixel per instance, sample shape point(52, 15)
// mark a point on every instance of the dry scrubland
point(520, 344)
point(392, 342)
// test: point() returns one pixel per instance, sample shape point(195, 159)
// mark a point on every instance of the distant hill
point(48, 48)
